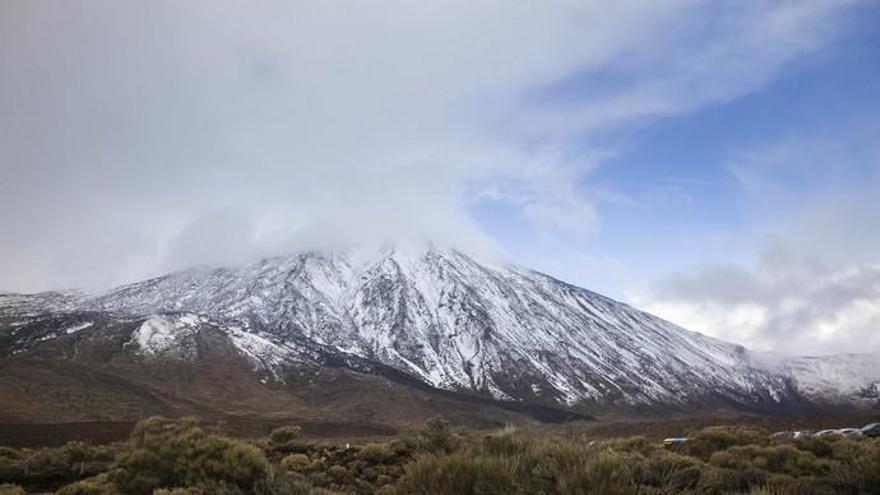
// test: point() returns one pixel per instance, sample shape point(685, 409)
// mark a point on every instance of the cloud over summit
point(140, 137)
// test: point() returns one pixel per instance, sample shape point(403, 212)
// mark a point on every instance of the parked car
point(871, 430)
point(828, 432)
point(847, 432)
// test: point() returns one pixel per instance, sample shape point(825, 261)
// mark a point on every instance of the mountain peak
point(447, 320)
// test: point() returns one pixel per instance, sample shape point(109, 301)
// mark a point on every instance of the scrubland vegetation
point(181, 457)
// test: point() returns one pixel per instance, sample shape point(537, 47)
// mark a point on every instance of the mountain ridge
point(447, 320)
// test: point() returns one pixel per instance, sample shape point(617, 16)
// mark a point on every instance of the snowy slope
point(460, 324)
point(837, 378)
point(450, 321)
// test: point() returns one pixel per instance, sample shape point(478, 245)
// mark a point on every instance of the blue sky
point(668, 199)
point(713, 162)
point(690, 206)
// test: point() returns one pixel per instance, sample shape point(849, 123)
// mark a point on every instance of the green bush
point(818, 446)
point(787, 485)
point(724, 480)
point(294, 462)
point(76, 459)
point(506, 443)
point(54, 466)
point(10, 454)
point(637, 444)
point(165, 453)
point(10, 489)
point(782, 459)
point(513, 463)
point(458, 474)
point(178, 457)
point(98, 485)
point(712, 439)
point(437, 437)
point(302, 488)
point(178, 491)
point(377, 453)
point(717, 461)
point(859, 465)
point(605, 473)
point(665, 469)
point(763, 490)
point(284, 435)
point(338, 473)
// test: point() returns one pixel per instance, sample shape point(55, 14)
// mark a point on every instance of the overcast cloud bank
point(138, 138)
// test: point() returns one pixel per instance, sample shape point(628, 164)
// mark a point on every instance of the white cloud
point(814, 287)
point(740, 322)
point(708, 53)
point(801, 311)
point(127, 125)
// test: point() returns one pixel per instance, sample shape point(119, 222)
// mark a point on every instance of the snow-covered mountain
point(447, 320)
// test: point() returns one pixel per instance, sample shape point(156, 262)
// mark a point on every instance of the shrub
point(458, 474)
point(211, 488)
point(508, 462)
point(295, 462)
point(437, 437)
point(724, 480)
point(782, 459)
point(712, 439)
point(506, 443)
point(72, 461)
point(818, 446)
point(10, 489)
point(787, 485)
point(303, 488)
point(178, 491)
point(859, 465)
point(10, 454)
point(763, 490)
point(98, 485)
point(338, 473)
point(377, 453)
point(605, 473)
point(536, 463)
point(178, 457)
point(167, 453)
point(284, 435)
point(668, 469)
point(298, 488)
point(638, 444)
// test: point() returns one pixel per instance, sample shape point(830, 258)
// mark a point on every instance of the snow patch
point(78, 327)
point(167, 336)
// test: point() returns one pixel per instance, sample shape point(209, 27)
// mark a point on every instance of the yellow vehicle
point(668, 442)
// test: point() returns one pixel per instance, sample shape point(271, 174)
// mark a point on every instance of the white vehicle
point(825, 433)
point(871, 430)
point(850, 432)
